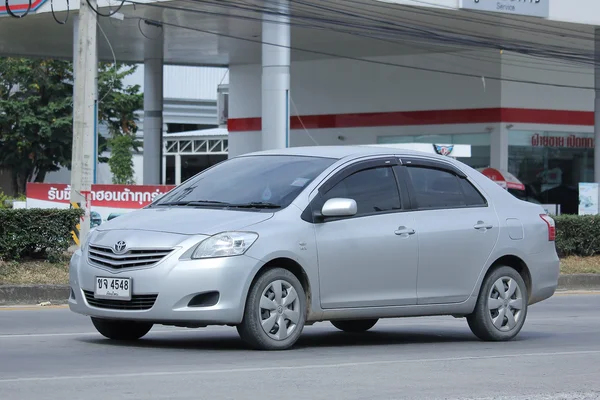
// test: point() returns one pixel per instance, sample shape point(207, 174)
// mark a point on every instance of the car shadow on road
point(224, 340)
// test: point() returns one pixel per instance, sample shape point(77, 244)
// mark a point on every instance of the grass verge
point(33, 273)
point(580, 265)
point(40, 273)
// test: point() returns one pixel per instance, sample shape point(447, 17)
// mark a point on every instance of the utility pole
point(85, 68)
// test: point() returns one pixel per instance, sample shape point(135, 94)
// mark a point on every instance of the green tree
point(36, 114)
point(121, 162)
point(117, 110)
point(35, 118)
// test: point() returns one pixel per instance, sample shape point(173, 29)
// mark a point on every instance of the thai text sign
point(532, 8)
point(572, 141)
point(105, 199)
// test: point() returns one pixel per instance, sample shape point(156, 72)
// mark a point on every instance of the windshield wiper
point(194, 203)
point(209, 203)
point(254, 204)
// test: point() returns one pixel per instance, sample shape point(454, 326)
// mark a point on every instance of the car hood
point(185, 220)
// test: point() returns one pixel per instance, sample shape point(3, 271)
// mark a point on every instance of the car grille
point(105, 257)
point(138, 302)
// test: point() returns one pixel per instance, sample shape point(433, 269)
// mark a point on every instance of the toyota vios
point(272, 241)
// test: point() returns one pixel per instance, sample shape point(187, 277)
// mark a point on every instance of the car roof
point(350, 151)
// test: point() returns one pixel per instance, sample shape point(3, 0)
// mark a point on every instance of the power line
point(54, 13)
point(390, 27)
point(313, 51)
point(418, 35)
point(12, 14)
point(390, 64)
point(229, 4)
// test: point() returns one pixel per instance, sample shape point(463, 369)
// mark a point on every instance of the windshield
point(252, 182)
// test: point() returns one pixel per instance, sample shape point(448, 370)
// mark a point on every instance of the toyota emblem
point(120, 247)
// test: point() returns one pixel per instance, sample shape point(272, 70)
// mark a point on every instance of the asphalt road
point(54, 354)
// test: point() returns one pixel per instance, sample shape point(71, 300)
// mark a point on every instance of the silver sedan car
point(270, 242)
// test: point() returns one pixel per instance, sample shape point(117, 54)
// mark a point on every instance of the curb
point(11, 295)
point(579, 282)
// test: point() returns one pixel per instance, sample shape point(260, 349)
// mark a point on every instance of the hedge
point(36, 233)
point(577, 235)
point(46, 233)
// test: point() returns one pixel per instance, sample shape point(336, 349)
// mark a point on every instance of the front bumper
point(174, 282)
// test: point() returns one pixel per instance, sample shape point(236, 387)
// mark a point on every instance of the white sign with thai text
point(532, 8)
point(588, 198)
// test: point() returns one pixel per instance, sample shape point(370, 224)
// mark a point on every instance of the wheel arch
point(291, 265)
point(518, 264)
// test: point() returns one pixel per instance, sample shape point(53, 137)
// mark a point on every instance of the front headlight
point(225, 244)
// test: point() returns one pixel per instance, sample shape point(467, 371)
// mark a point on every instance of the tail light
point(551, 227)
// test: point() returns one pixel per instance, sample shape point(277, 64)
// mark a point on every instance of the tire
point(273, 312)
point(359, 325)
point(121, 330)
point(485, 322)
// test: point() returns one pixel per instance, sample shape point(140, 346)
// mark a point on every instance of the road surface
point(51, 353)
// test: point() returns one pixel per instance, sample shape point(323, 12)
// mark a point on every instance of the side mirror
point(339, 207)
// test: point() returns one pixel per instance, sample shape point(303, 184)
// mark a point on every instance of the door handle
point(482, 225)
point(404, 231)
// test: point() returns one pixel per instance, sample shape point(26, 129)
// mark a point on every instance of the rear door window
point(438, 188)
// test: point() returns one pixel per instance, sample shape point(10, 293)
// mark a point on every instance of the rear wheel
point(275, 311)
point(501, 306)
point(359, 325)
point(121, 330)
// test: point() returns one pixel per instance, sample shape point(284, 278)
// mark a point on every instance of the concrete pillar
point(153, 104)
point(276, 78)
point(177, 169)
point(597, 108)
point(499, 147)
point(75, 48)
point(164, 170)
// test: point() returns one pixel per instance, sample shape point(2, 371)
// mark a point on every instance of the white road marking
point(542, 396)
point(294, 367)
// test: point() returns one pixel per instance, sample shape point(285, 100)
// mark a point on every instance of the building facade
point(543, 134)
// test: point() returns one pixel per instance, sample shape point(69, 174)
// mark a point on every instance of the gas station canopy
point(220, 33)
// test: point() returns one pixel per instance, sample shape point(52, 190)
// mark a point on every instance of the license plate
point(113, 288)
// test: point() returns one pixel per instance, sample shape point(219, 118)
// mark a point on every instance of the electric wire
point(299, 117)
point(370, 61)
point(54, 13)
point(572, 58)
point(143, 34)
point(12, 14)
point(225, 3)
point(470, 56)
point(245, 6)
point(360, 5)
point(237, 16)
point(112, 83)
point(425, 30)
point(110, 14)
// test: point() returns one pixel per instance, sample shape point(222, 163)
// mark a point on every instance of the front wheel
point(275, 311)
point(501, 307)
point(121, 330)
